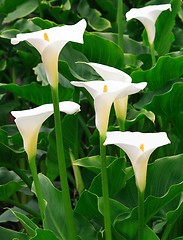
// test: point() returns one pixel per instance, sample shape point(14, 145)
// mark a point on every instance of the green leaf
point(171, 67)
point(116, 168)
point(93, 163)
point(21, 11)
point(164, 39)
point(26, 223)
point(35, 93)
point(54, 216)
point(8, 234)
point(93, 16)
point(43, 23)
point(44, 234)
point(100, 50)
point(87, 206)
point(168, 104)
point(9, 183)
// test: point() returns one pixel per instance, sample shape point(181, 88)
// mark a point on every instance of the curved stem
point(152, 54)
point(106, 204)
point(140, 215)
point(69, 216)
point(32, 164)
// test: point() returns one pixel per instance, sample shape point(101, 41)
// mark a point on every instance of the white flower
point(49, 43)
point(148, 16)
point(104, 93)
point(138, 146)
point(29, 122)
point(113, 74)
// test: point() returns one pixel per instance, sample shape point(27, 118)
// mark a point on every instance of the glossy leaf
point(171, 67)
point(21, 11)
point(42, 234)
point(8, 234)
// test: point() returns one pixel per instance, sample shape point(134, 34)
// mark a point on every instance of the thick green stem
point(152, 54)
point(120, 20)
point(69, 216)
point(140, 215)
point(106, 204)
point(32, 164)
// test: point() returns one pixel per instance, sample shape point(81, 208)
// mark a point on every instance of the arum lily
point(104, 94)
point(148, 16)
point(49, 43)
point(29, 122)
point(113, 74)
point(138, 146)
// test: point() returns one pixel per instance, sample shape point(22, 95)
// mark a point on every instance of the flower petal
point(110, 73)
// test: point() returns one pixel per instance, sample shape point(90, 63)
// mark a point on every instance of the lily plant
point(113, 74)
point(29, 123)
point(49, 43)
point(148, 16)
point(104, 94)
point(138, 146)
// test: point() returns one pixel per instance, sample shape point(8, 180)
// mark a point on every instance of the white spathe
point(148, 16)
point(30, 121)
point(104, 94)
point(138, 146)
point(113, 74)
point(49, 43)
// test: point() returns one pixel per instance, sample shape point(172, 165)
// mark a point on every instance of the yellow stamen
point(105, 88)
point(142, 147)
point(46, 37)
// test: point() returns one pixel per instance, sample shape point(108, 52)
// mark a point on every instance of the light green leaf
point(26, 223)
point(93, 16)
point(21, 11)
point(8, 234)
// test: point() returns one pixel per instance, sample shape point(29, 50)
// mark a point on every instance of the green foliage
point(159, 107)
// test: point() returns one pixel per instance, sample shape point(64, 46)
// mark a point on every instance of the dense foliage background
point(159, 107)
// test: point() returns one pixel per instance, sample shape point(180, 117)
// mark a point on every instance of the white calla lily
point(49, 43)
point(104, 93)
point(113, 74)
point(29, 122)
point(138, 146)
point(148, 16)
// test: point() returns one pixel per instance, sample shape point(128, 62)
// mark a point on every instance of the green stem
point(40, 10)
point(106, 204)
point(32, 164)
point(69, 216)
point(152, 54)
point(120, 21)
point(140, 215)
point(23, 207)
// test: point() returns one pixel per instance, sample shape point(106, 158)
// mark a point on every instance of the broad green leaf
point(21, 11)
point(87, 206)
point(54, 213)
point(35, 93)
point(26, 223)
point(171, 67)
point(93, 16)
point(101, 50)
point(44, 234)
point(116, 208)
point(164, 39)
point(9, 183)
point(116, 168)
point(8, 234)
point(43, 23)
point(93, 163)
point(168, 104)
